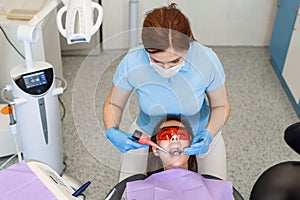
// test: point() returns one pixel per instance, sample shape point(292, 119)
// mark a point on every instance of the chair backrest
point(117, 191)
point(279, 182)
point(292, 136)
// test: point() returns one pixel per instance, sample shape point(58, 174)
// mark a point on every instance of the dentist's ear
point(155, 152)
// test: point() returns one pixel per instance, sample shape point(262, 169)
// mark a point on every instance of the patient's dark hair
point(154, 163)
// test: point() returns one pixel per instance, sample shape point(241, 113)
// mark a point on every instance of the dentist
point(171, 73)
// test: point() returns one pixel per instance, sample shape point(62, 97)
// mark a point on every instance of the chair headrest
point(292, 136)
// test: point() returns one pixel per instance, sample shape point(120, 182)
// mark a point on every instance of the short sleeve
point(217, 75)
point(120, 78)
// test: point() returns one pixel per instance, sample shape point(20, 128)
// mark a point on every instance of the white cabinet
point(291, 70)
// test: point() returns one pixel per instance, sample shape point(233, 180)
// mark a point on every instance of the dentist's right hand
point(122, 140)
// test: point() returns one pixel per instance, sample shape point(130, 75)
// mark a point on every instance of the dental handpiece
point(143, 138)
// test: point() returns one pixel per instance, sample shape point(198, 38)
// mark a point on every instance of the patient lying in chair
point(174, 175)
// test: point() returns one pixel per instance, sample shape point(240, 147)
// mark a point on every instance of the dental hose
point(13, 130)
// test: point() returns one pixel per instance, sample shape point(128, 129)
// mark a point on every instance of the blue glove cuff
point(203, 135)
point(208, 136)
point(108, 131)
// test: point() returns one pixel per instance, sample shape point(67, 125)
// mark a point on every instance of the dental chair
point(117, 191)
point(281, 181)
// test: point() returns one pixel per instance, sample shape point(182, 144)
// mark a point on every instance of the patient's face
point(173, 143)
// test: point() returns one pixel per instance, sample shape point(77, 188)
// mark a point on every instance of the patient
point(173, 133)
point(174, 175)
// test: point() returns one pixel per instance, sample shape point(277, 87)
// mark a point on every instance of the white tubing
point(133, 23)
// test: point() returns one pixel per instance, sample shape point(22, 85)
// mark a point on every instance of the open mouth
point(175, 150)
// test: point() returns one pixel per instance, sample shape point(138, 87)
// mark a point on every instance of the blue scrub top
point(183, 93)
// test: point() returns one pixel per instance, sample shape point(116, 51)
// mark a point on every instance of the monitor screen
point(35, 79)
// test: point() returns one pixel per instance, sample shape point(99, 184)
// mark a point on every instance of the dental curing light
point(7, 143)
point(143, 138)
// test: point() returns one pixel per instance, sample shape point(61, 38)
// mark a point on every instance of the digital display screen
point(34, 80)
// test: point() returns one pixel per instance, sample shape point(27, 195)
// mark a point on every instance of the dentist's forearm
point(219, 110)
point(114, 106)
point(111, 115)
point(218, 117)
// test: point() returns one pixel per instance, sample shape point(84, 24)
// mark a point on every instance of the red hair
point(166, 27)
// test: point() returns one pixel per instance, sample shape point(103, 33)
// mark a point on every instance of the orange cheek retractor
point(143, 138)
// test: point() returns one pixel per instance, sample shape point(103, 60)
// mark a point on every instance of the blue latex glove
point(200, 143)
point(122, 140)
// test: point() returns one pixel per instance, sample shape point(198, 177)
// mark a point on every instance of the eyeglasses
point(167, 132)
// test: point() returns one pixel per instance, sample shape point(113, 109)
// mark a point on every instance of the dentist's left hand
point(200, 143)
point(122, 140)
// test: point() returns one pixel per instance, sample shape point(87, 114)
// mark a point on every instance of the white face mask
point(167, 73)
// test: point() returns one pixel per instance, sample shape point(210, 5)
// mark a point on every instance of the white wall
point(214, 22)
